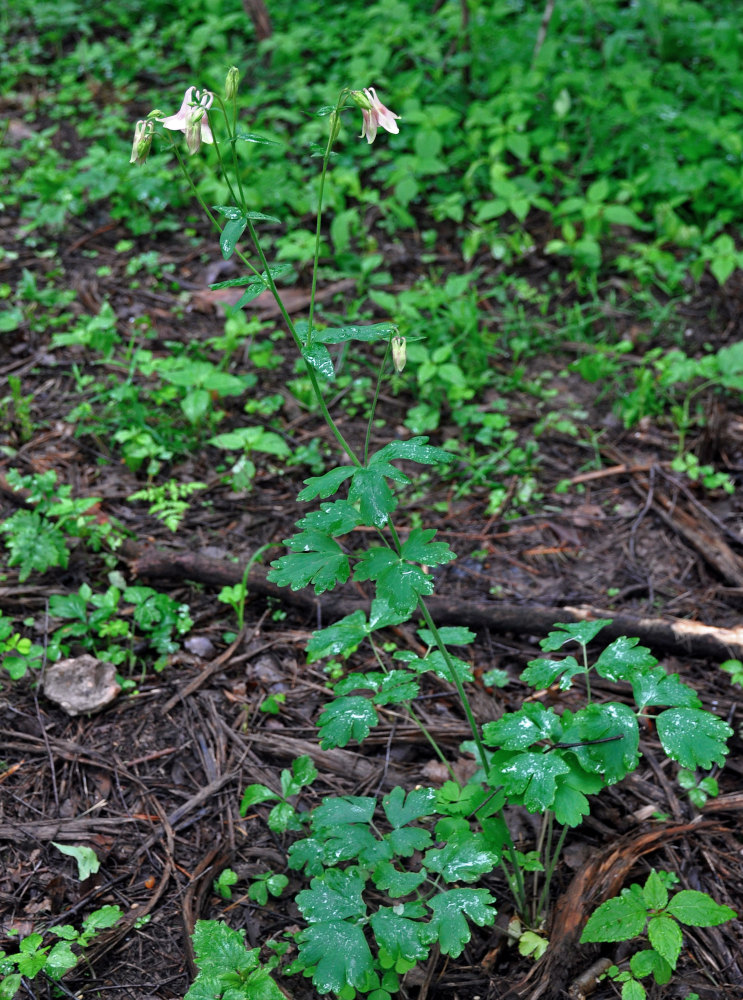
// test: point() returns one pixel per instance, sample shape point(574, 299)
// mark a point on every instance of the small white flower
point(374, 114)
point(192, 118)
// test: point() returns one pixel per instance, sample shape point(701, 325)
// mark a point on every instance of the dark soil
point(154, 781)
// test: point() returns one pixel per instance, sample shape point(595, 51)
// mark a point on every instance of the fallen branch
point(672, 635)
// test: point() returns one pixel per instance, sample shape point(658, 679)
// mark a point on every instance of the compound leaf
point(401, 937)
point(315, 558)
point(532, 777)
point(518, 730)
point(375, 499)
point(419, 548)
point(334, 895)
point(339, 955)
point(343, 809)
point(396, 883)
point(622, 659)
point(325, 485)
point(613, 723)
point(582, 632)
point(401, 810)
point(656, 687)
point(463, 861)
point(693, 737)
point(414, 450)
point(541, 674)
point(339, 639)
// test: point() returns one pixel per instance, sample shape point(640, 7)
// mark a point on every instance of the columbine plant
point(390, 880)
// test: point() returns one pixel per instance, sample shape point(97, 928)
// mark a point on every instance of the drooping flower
point(399, 353)
point(192, 118)
point(143, 132)
point(374, 114)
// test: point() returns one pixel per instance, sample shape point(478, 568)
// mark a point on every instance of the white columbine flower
point(374, 114)
point(192, 118)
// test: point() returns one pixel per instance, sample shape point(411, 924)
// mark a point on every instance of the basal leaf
point(530, 777)
point(325, 485)
point(608, 738)
point(448, 925)
point(693, 737)
point(394, 882)
point(399, 936)
point(341, 809)
point(338, 953)
point(334, 895)
point(401, 810)
point(346, 719)
point(348, 841)
point(308, 853)
point(407, 840)
point(462, 862)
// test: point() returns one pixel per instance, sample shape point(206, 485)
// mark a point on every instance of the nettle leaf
point(646, 962)
point(396, 883)
point(400, 810)
point(618, 919)
point(696, 909)
point(315, 558)
point(345, 719)
point(375, 499)
point(398, 582)
point(582, 632)
point(419, 548)
point(621, 660)
point(342, 334)
point(518, 730)
point(656, 687)
point(529, 777)
point(338, 953)
point(665, 936)
point(542, 674)
point(448, 925)
point(327, 484)
point(463, 861)
point(335, 518)
point(614, 758)
point(693, 737)
point(318, 357)
point(400, 937)
point(414, 450)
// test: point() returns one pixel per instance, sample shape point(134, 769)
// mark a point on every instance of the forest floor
point(153, 782)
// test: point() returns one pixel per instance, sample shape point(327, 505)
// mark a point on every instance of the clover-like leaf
point(338, 953)
point(345, 719)
point(693, 737)
point(465, 861)
point(530, 777)
point(401, 810)
point(448, 925)
point(399, 936)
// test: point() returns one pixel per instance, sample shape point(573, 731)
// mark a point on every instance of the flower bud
point(231, 82)
point(143, 132)
point(399, 354)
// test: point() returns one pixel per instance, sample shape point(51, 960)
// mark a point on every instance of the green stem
point(550, 870)
point(377, 391)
